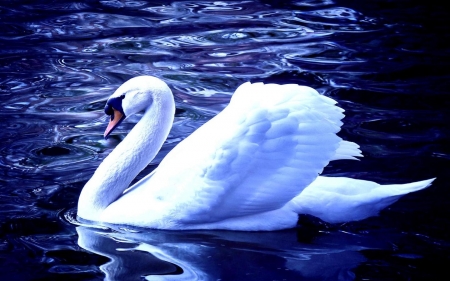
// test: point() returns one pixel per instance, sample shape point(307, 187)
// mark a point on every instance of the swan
point(254, 166)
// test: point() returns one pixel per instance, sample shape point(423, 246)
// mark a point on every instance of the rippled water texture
point(385, 62)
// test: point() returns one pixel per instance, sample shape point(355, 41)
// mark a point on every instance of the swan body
point(254, 166)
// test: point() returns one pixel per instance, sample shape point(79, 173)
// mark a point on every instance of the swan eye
point(109, 110)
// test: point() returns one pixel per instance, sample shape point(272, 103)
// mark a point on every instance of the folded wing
point(256, 155)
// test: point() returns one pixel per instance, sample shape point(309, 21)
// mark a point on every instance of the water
point(386, 62)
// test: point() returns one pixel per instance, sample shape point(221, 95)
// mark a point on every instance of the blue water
point(385, 62)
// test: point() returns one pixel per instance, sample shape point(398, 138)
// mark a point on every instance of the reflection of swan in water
point(243, 170)
point(129, 260)
point(226, 255)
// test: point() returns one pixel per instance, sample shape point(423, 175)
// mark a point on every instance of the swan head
point(133, 96)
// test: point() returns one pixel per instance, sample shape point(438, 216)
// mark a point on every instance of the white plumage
point(245, 169)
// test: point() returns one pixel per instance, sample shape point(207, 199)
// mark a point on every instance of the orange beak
point(116, 118)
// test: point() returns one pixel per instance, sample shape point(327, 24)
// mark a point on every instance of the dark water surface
point(385, 62)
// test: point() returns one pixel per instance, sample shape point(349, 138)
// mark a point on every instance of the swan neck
point(131, 156)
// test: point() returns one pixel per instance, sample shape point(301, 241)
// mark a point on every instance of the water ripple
point(60, 61)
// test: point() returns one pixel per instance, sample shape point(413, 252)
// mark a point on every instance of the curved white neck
point(133, 154)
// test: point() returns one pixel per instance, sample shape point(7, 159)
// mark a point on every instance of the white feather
point(238, 171)
point(340, 199)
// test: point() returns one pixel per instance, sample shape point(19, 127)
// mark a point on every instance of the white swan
point(245, 169)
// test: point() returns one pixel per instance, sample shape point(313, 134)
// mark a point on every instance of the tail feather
point(400, 189)
point(340, 199)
